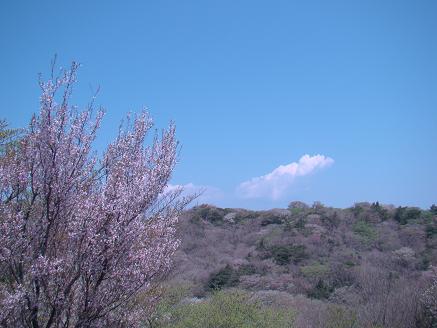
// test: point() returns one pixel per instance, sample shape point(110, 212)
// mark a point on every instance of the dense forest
point(369, 265)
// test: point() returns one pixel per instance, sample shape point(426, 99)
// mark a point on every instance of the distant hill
point(371, 262)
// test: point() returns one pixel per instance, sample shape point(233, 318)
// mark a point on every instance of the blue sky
point(252, 85)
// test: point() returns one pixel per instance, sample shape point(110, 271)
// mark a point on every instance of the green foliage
point(271, 220)
point(356, 210)
point(382, 212)
point(339, 317)
point(433, 209)
point(300, 224)
point(169, 298)
point(321, 290)
point(195, 219)
point(405, 214)
point(413, 213)
point(289, 227)
point(317, 207)
point(364, 230)
point(296, 211)
point(283, 255)
point(226, 277)
point(315, 270)
point(431, 230)
point(331, 221)
point(233, 309)
point(349, 263)
point(211, 214)
point(261, 245)
point(229, 276)
point(339, 258)
point(8, 138)
point(247, 270)
point(424, 261)
point(427, 216)
point(246, 215)
point(297, 205)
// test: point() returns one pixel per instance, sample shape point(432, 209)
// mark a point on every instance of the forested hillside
point(369, 265)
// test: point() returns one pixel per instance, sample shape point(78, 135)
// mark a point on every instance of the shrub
point(339, 317)
point(300, 224)
point(433, 209)
point(364, 230)
point(318, 206)
point(331, 221)
point(321, 290)
point(349, 263)
point(405, 214)
point(9, 139)
point(171, 297)
point(431, 230)
point(315, 270)
point(211, 214)
point(298, 205)
point(246, 215)
point(429, 301)
point(271, 220)
point(424, 261)
point(226, 277)
point(247, 270)
point(283, 255)
point(357, 210)
point(413, 213)
point(235, 309)
point(381, 211)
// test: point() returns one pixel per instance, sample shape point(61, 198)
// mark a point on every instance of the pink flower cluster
point(83, 238)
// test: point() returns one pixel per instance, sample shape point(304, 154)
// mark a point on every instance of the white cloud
point(274, 184)
point(207, 194)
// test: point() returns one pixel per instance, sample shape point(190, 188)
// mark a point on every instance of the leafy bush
point(321, 290)
point(283, 255)
point(226, 277)
point(246, 215)
point(349, 263)
point(405, 214)
point(171, 297)
point(315, 270)
point(211, 214)
point(247, 270)
point(271, 220)
point(339, 317)
point(317, 207)
point(300, 224)
point(424, 261)
point(364, 230)
point(233, 309)
point(331, 221)
point(431, 230)
point(433, 209)
point(356, 210)
point(381, 211)
point(298, 205)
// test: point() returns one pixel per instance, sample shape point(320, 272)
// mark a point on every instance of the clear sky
point(253, 87)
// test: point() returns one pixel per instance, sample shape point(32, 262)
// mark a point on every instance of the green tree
point(8, 138)
point(235, 309)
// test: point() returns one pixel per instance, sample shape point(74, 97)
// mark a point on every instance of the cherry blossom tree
point(429, 299)
point(84, 237)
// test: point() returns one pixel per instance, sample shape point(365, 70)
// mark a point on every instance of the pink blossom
point(83, 236)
